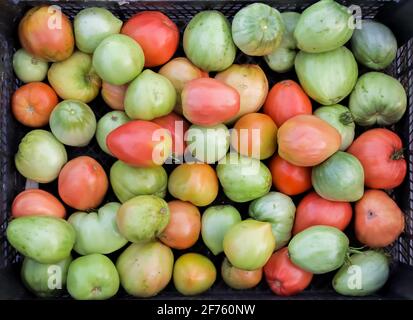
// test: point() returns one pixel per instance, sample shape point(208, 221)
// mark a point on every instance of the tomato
point(46, 33)
point(140, 143)
point(28, 68)
point(314, 210)
point(156, 34)
point(37, 202)
point(114, 95)
point(283, 277)
point(378, 219)
point(82, 183)
point(255, 135)
point(194, 182)
point(184, 225)
point(208, 102)
point(177, 127)
point(306, 140)
point(285, 100)
point(33, 103)
point(380, 152)
point(288, 178)
point(239, 279)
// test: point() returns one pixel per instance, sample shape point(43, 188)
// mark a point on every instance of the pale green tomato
point(109, 122)
point(28, 68)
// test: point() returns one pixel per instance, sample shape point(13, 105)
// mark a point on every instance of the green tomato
point(327, 77)
point(363, 274)
point(92, 25)
point(243, 179)
point(97, 232)
point(149, 96)
point(339, 178)
point(208, 41)
point(128, 182)
point(41, 238)
point(143, 218)
point(374, 45)
point(277, 209)
point(323, 26)
point(249, 244)
point(257, 29)
point(28, 68)
point(92, 277)
point(208, 144)
point(109, 122)
point(377, 99)
point(319, 249)
point(118, 59)
point(45, 280)
point(216, 221)
point(73, 123)
point(40, 156)
point(340, 118)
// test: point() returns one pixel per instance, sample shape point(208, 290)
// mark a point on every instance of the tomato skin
point(239, 279)
point(288, 178)
point(261, 148)
point(207, 101)
point(50, 44)
point(184, 225)
point(33, 103)
point(283, 277)
point(82, 183)
point(314, 210)
point(380, 152)
point(114, 95)
point(140, 143)
point(37, 202)
point(285, 100)
point(378, 219)
point(156, 34)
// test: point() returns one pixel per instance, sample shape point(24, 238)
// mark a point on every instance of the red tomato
point(288, 178)
point(306, 140)
point(283, 277)
point(379, 221)
point(36, 202)
point(114, 95)
point(380, 152)
point(140, 143)
point(285, 100)
point(82, 183)
point(156, 34)
point(33, 103)
point(314, 210)
point(46, 33)
point(177, 126)
point(207, 101)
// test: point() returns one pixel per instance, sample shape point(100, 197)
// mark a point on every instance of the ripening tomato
point(177, 127)
point(82, 183)
point(194, 182)
point(380, 152)
point(156, 34)
point(37, 202)
point(140, 143)
point(255, 135)
point(288, 178)
point(283, 277)
point(184, 225)
point(114, 95)
point(208, 102)
point(314, 210)
point(285, 100)
point(378, 219)
point(33, 103)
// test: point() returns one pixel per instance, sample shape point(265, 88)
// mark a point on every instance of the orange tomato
point(184, 225)
point(33, 103)
point(285, 100)
point(36, 202)
point(255, 135)
point(288, 178)
point(114, 95)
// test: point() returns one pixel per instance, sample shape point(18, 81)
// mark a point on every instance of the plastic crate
point(395, 14)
